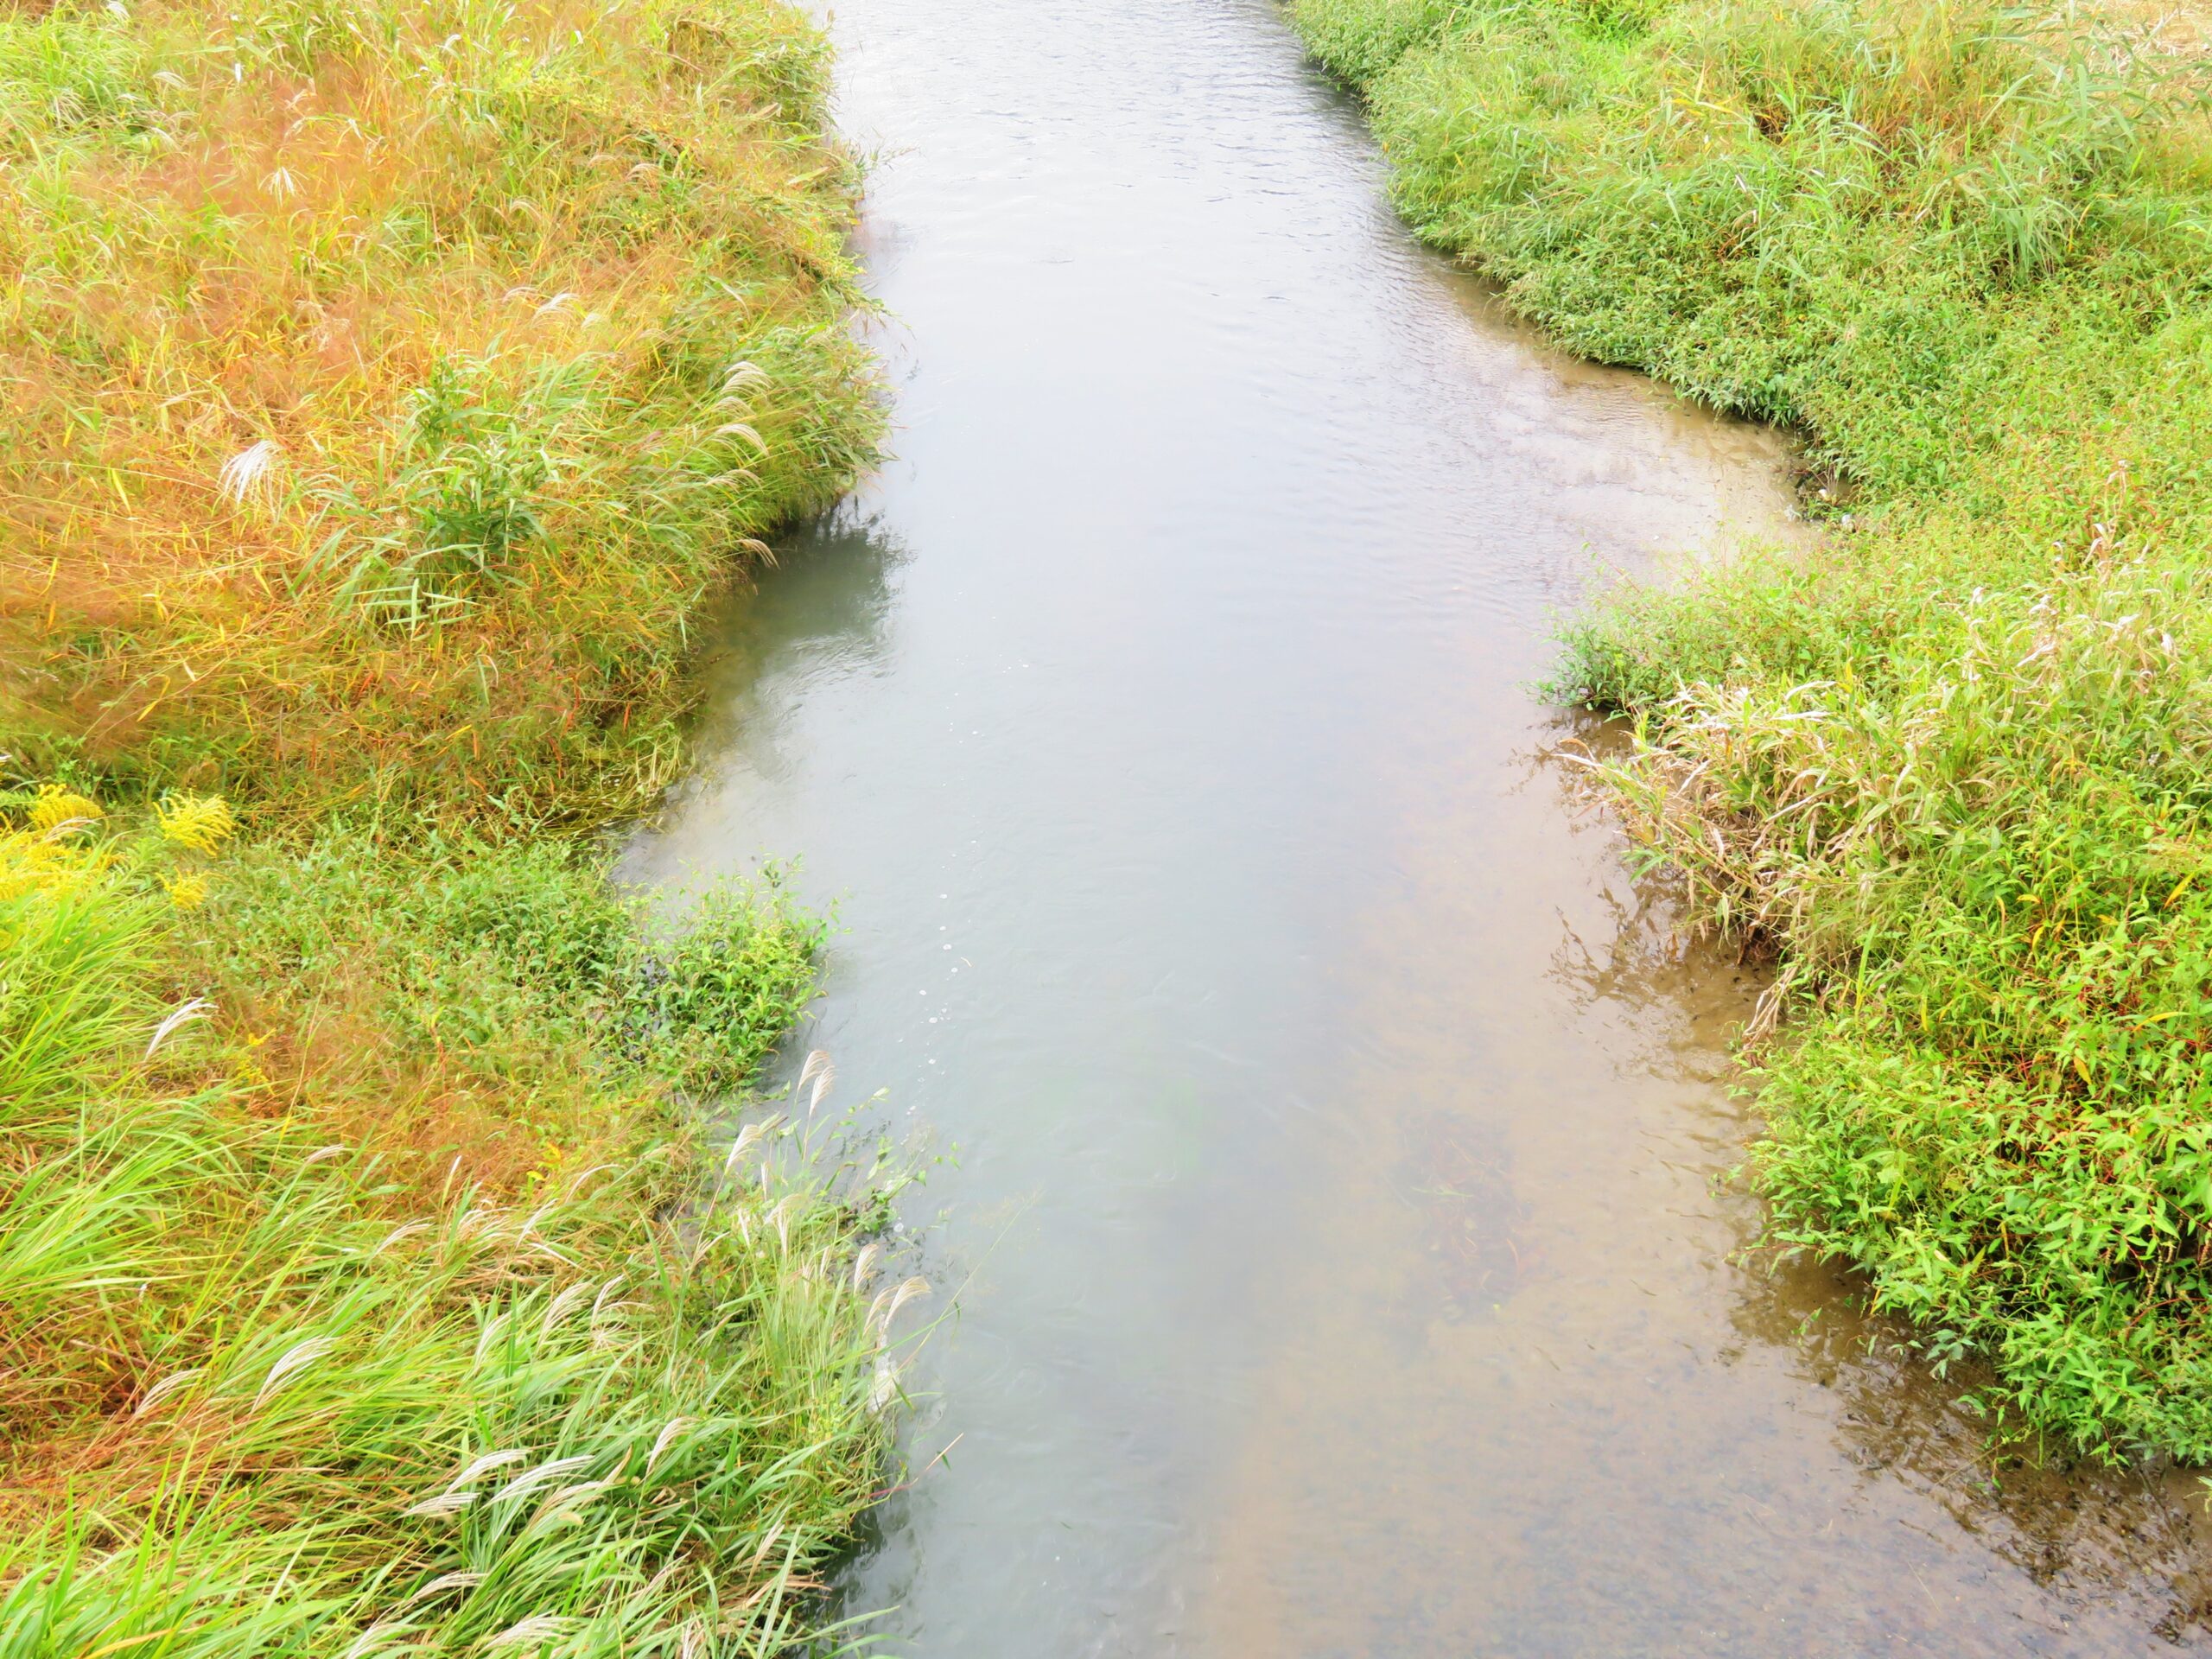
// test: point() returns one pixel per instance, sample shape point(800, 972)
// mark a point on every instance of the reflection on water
point(1345, 1269)
point(2137, 1542)
point(2097, 1541)
point(820, 617)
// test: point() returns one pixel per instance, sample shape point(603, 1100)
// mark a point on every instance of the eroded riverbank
point(1336, 1125)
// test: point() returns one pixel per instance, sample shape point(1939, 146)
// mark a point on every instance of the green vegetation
point(387, 385)
point(271, 1392)
point(1956, 762)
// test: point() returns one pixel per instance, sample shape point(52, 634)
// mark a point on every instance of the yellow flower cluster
point(202, 822)
point(57, 810)
point(186, 892)
point(45, 854)
point(50, 851)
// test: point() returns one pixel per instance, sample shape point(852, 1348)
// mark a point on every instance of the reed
point(1952, 763)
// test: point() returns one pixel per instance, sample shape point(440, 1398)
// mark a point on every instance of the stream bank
point(389, 384)
point(1954, 768)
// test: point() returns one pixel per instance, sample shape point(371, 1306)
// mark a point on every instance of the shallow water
point(1340, 1267)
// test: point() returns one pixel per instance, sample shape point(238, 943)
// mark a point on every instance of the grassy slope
point(326, 322)
point(1957, 765)
point(387, 385)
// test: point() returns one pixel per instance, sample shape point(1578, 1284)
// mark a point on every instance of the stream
point(1330, 1230)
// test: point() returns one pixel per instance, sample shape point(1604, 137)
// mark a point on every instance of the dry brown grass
point(278, 245)
point(2181, 28)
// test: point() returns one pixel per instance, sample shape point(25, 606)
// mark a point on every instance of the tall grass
point(262, 1393)
point(1954, 763)
point(387, 384)
point(385, 387)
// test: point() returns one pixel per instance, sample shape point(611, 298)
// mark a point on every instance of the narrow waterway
point(1341, 1270)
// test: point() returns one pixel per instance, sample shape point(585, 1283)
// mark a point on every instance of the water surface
point(1341, 1268)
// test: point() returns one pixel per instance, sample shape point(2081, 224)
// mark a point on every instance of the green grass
point(266, 1392)
point(462, 998)
point(388, 386)
point(1954, 763)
